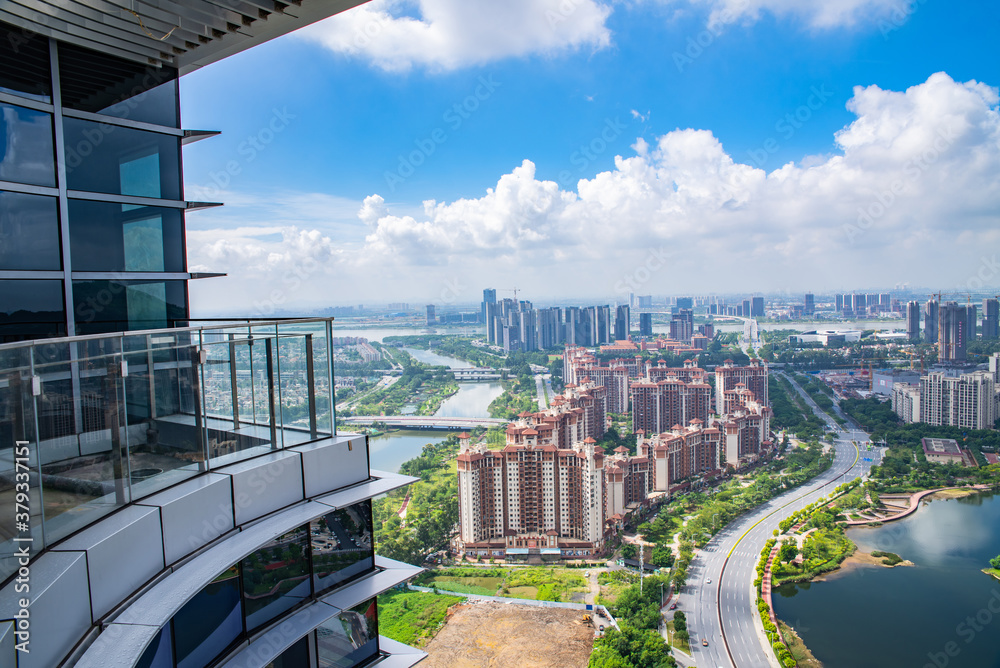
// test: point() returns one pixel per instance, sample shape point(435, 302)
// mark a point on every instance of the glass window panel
point(17, 423)
point(160, 653)
point(350, 638)
point(105, 236)
point(209, 623)
point(26, 146)
point(111, 159)
point(342, 545)
point(296, 656)
point(115, 306)
point(31, 310)
point(104, 84)
point(29, 232)
point(24, 64)
point(276, 578)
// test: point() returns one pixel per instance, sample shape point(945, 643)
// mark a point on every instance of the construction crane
point(913, 361)
point(514, 290)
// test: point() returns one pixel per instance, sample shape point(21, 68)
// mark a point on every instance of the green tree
point(789, 550)
point(662, 557)
point(629, 551)
point(995, 562)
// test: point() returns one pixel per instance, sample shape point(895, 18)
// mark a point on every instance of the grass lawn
point(485, 586)
point(682, 645)
point(412, 617)
point(995, 572)
point(523, 592)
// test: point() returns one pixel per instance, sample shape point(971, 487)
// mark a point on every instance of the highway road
point(719, 599)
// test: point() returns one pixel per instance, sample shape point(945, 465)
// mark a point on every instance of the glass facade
point(116, 306)
point(113, 419)
point(260, 590)
point(26, 146)
point(276, 578)
point(342, 545)
point(105, 236)
point(29, 232)
point(31, 309)
point(130, 152)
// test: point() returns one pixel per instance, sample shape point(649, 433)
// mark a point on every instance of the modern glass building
point(170, 494)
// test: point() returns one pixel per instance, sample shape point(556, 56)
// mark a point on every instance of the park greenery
point(412, 617)
point(904, 467)
point(791, 412)
point(432, 511)
point(431, 384)
point(638, 643)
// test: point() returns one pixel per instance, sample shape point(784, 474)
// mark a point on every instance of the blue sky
point(442, 100)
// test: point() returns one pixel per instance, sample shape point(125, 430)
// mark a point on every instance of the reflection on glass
point(114, 306)
point(209, 622)
point(105, 236)
point(276, 578)
point(350, 638)
point(342, 545)
point(26, 148)
point(99, 83)
point(159, 654)
point(29, 232)
point(32, 76)
point(122, 161)
point(31, 310)
point(296, 656)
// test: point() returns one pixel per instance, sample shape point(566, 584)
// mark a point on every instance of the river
point(942, 612)
point(472, 400)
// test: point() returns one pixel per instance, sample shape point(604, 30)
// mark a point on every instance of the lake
point(472, 400)
point(912, 617)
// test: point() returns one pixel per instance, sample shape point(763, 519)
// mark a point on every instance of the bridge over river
point(423, 421)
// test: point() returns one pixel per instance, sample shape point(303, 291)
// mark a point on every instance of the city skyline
point(807, 164)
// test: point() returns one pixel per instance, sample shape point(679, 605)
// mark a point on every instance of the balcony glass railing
point(91, 423)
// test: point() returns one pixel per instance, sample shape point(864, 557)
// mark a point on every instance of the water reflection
point(904, 616)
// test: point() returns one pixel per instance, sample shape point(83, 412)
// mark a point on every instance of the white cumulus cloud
point(396, 35)
point(911, 195)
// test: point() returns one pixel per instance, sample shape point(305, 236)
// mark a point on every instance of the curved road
point(730, 558)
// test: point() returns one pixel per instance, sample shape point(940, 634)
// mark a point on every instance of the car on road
point(708, 581)
point(704, 642)
point(673, 606)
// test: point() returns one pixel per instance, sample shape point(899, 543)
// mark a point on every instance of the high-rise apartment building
point(953, 322)
point(645, 324)
point(623, 322)
point(543, 494)
point(968, 400)
point(682, 325)
point(667, 396)
point(753, 377)
point(757, 307)
point(972, 318)
point(859, 305)
point(838, 303)
point(931, 321)
point(190, 501)
point(913, 320)
point(991, 319)
point(489, 297)
point(431, 318)
point(809, 305)
point(745, 308)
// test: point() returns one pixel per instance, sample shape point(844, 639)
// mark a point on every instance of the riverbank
point(935, 539)
point(862, 558)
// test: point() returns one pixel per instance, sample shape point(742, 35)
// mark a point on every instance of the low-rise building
point(942, 451)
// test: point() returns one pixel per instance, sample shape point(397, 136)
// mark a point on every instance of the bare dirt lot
point(495, 634)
